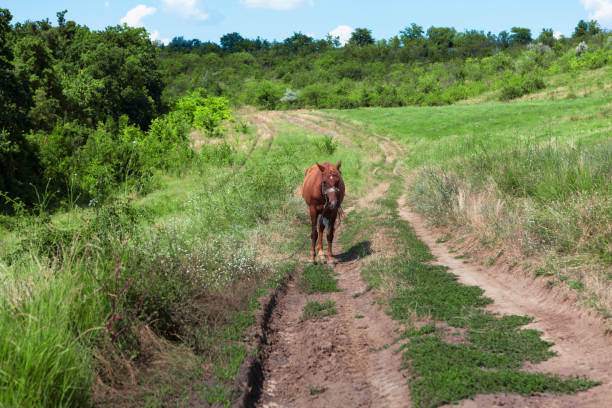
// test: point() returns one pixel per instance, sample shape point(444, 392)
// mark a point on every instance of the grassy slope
point(532, 175)
point(436, 134)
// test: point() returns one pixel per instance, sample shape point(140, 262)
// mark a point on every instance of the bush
point(519, 85)
point(205, 112)
point(326, 144)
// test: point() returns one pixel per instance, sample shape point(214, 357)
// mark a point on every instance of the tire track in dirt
point(348, 355)
point(343, 360)
point(579, 338)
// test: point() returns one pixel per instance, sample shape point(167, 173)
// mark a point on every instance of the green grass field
point(527, 175)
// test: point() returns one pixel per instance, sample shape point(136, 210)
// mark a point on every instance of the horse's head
point(329, 185)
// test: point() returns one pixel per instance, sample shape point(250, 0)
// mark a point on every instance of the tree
point(581, 30)
point(116, 75)
point(414, 32)
point(472, 43)
point(547, 37)
point(232, 42)
point(439, 41)
point(299, 43)
point(361, 37)
point(18, 163)
point(520, 36)
point(503, 40)
point(584, 29)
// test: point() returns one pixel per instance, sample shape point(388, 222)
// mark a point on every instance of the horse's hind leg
point(320, 247)
point(313, 234)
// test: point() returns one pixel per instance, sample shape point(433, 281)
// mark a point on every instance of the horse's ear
point(321, 167)
point(338, 165)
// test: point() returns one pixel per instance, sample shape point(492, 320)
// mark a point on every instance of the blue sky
point(208, 20)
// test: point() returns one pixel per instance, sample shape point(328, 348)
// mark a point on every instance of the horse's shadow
point(357, 251)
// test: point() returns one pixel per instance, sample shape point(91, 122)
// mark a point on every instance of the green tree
point(117, 74)
point(520, 36)
point(547, 37)
point(232, 42)
point(439, 41)
point(361, 37)
point(414, 32)
point(19, 167)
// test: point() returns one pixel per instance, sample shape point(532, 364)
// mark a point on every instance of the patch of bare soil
point(579, 335)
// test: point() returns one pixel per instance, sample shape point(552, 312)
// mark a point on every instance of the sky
point(208, 20)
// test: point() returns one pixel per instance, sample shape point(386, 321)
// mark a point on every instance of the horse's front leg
point(320, 248)
point(330, 237)
point(313, 234)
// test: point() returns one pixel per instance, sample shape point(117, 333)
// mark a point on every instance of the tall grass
point(77, 288)
point(559, 196)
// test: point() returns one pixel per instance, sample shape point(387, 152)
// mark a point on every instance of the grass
point(428, 298)
point(318, 279)
point(316, 309)
point(317, 390)
point(529, 176)
point(78, 288)
point(439, 134)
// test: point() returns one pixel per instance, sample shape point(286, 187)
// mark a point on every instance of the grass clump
point(318, 279)
point(317, 309)
point(317, 390)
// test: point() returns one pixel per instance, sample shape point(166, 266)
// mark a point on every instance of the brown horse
point(323, 191)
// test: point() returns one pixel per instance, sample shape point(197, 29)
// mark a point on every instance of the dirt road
point(348, 360)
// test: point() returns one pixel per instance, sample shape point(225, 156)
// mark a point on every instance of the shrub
point(205, 112)
point(581, 48)
point(290, 96)
point(519, 85)
point(326, 144)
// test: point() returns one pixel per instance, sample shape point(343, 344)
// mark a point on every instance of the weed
point(317, 309)
point(443, 239)
point(317, 390)
point(318, 279)
point(359, 316)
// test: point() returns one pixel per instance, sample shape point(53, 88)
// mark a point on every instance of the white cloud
point(342, 32)
point(106, 4)
point(156, 37)
point(600, 10)
point(133, 17)
point(277, 4)
point(558, 34)
point(186, 9)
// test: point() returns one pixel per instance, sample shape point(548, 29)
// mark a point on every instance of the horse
point(323, 191)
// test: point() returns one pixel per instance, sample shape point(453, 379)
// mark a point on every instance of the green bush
point(519, 85)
